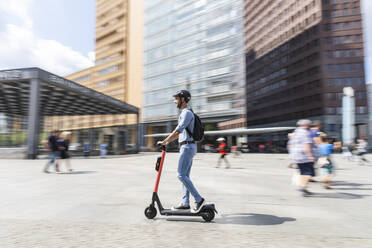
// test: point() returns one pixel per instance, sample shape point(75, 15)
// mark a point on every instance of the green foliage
point(13, 139)
point(210, 127)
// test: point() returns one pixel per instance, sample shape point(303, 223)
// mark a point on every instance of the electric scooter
point(207, 212)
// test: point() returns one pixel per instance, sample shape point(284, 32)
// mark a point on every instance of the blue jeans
point(187, 153)
point(53, 156)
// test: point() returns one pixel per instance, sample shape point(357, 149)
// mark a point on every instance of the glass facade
point(195, 45)
point(13, 130)
point(369, 98)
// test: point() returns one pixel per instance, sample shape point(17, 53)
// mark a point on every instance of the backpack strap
point(187, 128)
point(188, 131)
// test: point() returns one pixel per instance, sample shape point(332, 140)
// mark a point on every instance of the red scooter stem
point(159, 172)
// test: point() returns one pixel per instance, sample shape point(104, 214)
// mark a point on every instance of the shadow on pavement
point(356, 188)
point(191, 219)
point(349, 186)
point(241, 219)
point(252, 219)
point(338, 195)
point(77, 172)
point(344, 183)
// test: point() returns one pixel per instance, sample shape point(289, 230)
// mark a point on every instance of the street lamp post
point(348, 116)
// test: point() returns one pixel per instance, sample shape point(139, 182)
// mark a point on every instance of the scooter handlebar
point(163, 148)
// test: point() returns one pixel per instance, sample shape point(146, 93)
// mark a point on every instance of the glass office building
point(195, 45)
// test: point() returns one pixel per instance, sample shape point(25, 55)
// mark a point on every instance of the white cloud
point(17, 9)
point(92, 56)
point(20, 47)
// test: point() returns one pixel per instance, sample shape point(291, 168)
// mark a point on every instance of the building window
point(331, 96)
point(339, 110)
point(360, 95)
point(361, 110)
point(331, 110)
point(82, 78)
point(103, 83)
point(340, 1)
point(107, 70)
point(332, 82)
point(343, 26)
point(332, 127)
point(354, 67)
point(344, 39)
point(344, 53)
point(345, 12)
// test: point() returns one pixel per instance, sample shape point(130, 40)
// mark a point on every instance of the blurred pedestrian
point(301, 153)
point(52, 147)
point(222, 150)
point(349, 151)
point(235, 151)
point(103, 150)
point(361, 148)
point(86, 150)
point(206, 148)
point(291, 163)
point(325, 150)
point(63, 144)
point(261, 148)
point(315, 133)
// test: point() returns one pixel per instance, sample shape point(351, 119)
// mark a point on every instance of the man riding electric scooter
point(187, 144)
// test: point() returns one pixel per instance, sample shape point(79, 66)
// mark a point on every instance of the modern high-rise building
point(300, 54)
point(197, 45)
point(369, 98)
point(117, 71)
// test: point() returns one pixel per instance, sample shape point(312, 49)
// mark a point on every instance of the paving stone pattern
point(101, 204)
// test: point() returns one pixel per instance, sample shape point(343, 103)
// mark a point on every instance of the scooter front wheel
point(209, 215)
point(150, 212)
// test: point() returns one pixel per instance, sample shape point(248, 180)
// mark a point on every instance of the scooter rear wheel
point(150, 212)
point(209, 216)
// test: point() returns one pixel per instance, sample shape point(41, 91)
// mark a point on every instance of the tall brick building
point(300, 54)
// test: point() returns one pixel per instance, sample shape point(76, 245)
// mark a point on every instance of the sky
point(55, 35)
point(58, 35)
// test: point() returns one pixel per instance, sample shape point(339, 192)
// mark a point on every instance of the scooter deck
point(179, 212)
point(188, 212)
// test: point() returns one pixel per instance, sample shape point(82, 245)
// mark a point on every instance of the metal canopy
point(235, 131)
point(58, 96)
point(34, 93)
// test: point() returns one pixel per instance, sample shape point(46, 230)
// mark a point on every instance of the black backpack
point(198, 132)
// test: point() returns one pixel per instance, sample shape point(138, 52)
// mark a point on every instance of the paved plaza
point(101, 204)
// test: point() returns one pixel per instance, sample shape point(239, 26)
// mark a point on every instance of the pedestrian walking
point(63, 144)
point(361, 149)
point(235, 151)
point(261, 148)
point(186, 122)
point(301, 153)
point(350, 151)
point(223, 153)
point(103, 150)
point(325, 150)
point(52, 147)
point(86, 150)
point(315, 133)
point(291, 163)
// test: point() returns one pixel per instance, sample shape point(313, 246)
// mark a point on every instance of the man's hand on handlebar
point(162, 143)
